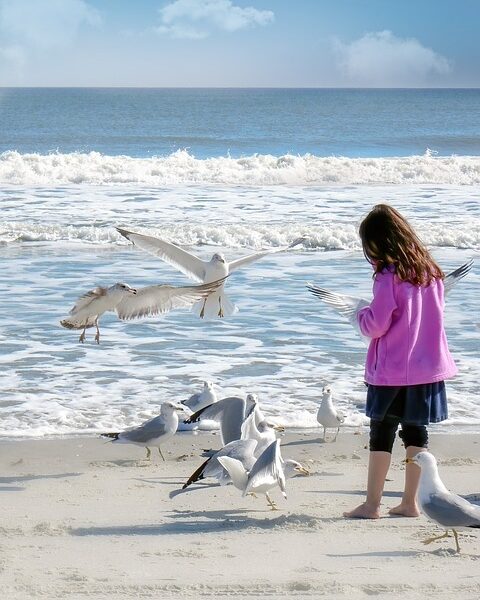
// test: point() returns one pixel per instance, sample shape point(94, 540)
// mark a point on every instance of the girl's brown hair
point(388, 239)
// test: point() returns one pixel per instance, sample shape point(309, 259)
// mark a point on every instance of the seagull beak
point(179, 407)
point(133, 290)
point(409, 461)
point(303, 471)
point(279, 428)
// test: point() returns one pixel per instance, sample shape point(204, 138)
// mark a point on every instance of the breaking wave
point(183, 168)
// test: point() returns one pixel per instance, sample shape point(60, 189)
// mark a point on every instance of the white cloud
point(45, 23)
point(380, 59)
point(196, 19)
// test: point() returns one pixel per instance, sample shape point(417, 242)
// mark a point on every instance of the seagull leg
point(335, 438)
point(271, 503)
point(220, 312)
point(324, 433)
point(149, 452)
point(82, 335)
point(160, 452)
point(202, 312)
point(437, 537)
point(97, 335)
point(455, 534)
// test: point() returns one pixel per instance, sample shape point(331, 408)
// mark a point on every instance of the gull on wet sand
point(154, 432)
point(439, 505)
point(132, 303)
point(217, 304)
point(328, 416)
point(202, 399)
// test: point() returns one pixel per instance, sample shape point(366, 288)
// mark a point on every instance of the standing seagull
point(266, 473)
point(348, 306)
point(131, 303)
point(328, 416)
point(152, 433)
point(217, 304)
point(438, 504)
point(204, 398)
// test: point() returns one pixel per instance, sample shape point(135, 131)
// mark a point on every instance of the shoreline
point(84, 517)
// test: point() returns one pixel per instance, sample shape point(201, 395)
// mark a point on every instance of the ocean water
point(235, 170)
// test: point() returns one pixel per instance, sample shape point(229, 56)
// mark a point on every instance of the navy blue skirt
point(411, 404)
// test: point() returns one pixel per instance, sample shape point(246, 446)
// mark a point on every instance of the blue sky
point(279, 43)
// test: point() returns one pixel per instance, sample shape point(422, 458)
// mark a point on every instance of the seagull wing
point(452, 278)
point(156, 299)
point(213, 411)
point(347, 306)
point(267, 471)
point(189, 264)
point(150, 429)
point(84, 301)
point(451, 510)
point(247, 260)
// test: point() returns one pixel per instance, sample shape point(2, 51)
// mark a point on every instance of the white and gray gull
point(229, 412)
point(154, 432)
point(439, 505)
point(132, 303)
point(217, 304)
point(266, 474)
point(328, 416)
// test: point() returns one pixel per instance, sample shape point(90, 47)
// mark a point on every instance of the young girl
point(408, 357)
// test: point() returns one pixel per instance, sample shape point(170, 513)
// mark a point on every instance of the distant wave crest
point(183, 168)
point(331, 236)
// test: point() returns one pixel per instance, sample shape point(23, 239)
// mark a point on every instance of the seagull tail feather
point(114, 436)
point(196, 475)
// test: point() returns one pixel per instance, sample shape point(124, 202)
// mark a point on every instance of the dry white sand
point(81, 518)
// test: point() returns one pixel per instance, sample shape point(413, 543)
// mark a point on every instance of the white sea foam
point(183, 168)
point(332, 236)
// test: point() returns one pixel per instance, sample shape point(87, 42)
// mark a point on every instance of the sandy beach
point(84, 518)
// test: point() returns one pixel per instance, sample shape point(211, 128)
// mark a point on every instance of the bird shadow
point(355, 493)
point(11, 489)
point(22, 478)
point(306, 442)
point(189, 522)
point(387, 554)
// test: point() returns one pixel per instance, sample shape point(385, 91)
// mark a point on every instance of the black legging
point(382, 434)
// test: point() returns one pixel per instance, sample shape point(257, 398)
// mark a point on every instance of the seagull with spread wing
point(132, 303)
point(266, 474)
point(217, 304)
point(348, 306)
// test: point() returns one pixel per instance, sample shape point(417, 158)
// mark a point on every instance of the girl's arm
point(375, 320)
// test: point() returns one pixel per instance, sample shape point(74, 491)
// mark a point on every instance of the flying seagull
point(154, 432)
point(348, 306)
point(448, 510)
point(217, 304)
point(328, 416)
point(132, 303)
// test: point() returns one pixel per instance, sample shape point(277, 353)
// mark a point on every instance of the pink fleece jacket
point(405, 323)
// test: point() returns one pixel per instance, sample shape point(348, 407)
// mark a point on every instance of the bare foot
point(363, 511)
point(404, 510)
